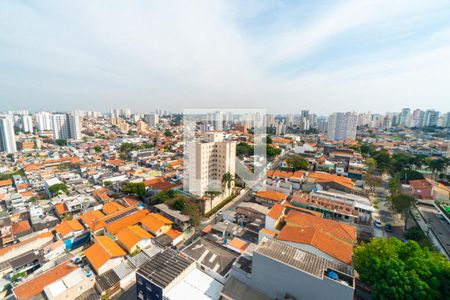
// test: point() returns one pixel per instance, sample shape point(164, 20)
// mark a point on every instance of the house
point(156, 224)
point(280, 271)
point(427, 191)
point(211, 258)
point(70, 286)
point(132, 238)
point(284, 181)
point(104, 254)
point(21, 228)
point(33, 243)
point(327, 238)
point(34, 288)
point(181, 222)
point(252, 211)
point(274, 217)
point(269, 198)
point(72, 233)
point(326, 181)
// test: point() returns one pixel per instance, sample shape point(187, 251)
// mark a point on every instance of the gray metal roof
point(164, 267)
point(123, 270)
point(107, 280)
point(139, 259)
point(299, 259)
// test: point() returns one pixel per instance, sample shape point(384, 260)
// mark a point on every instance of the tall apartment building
point(152, 119)
point(7, 136)
point(404, 116)
point(27, 123)
point(446, 120)
point(66, 126)
point(43, 121)
point(207, 161)
point(342, 126)
point(417, 118)
point(430, 118)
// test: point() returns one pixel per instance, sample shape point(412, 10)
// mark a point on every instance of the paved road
point(440, 228)
point(387, 216)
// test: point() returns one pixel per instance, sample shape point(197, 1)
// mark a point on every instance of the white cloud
point(183, 54)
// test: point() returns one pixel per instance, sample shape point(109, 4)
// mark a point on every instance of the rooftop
point(164, 267)
point(211, 255)
point(299, 259)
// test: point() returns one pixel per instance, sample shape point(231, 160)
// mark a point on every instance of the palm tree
point(228, 179)
point(436, 165)
point(211, 196)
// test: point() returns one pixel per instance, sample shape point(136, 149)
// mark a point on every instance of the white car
point(378, 224)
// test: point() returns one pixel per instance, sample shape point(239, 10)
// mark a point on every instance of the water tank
point(333, 275)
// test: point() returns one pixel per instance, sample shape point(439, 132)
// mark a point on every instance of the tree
point(402, 204)
point(244, 149)
point(161, 197)
point(416, 234)
point(435, 165)
point(383, 159)
point(228, 179)
point(211, 194)
point(394, 186)
point(272, 151)
point(97, 149)
point(398, 270)
point(269, 140)
point(371, 164)
point(298, 163)
point(58, 188)
point(179, 205)
point(136, 188)
point(167, 133)
point(61, 142)
point(107, 183)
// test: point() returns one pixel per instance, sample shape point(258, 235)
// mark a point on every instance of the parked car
point(388, 228)
point(378, 224)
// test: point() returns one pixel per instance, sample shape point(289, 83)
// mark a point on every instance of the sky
point(283, 56)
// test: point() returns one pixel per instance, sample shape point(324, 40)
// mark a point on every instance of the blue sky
point(283, 56)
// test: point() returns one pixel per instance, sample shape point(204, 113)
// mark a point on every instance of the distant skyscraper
point(7, 136)
point(66, 126)
point(404, 116)
point(342, 126)
point(152, 119)
point(43, 121)
point(218, 120)
point(27, 123)
point(431, 118)
point(322, 124)
point(417, 118)
point(446, 120)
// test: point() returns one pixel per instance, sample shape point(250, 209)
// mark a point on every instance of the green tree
point(58, 188)
point(228, 179)
point(179, 205)
point(269, 140)
point(383, 159)
point(107, 183)
point(272, 151)
point(397, 270)
point(371, 164)
point(394, 186)
point(402, 204)
point(136, 188)
point(436, 165)
point(244, 149)
point(161, 197)
point(416, 234)
point(97, 149)
point(167, 133)
point(61, 142)
point(298, 163)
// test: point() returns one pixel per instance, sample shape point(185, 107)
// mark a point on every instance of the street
point(387, 216)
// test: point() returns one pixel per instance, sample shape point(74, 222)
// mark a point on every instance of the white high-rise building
point(66, 126)
point(27, 123)
point(74, 127)
point(404, 116)
point(342, 126)
point(7, 136)
point(208, 160)
point(43, 121)
point(152, 119)
point(430, 118)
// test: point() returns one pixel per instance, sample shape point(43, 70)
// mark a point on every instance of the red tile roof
point(271, 195)
point(35, 286)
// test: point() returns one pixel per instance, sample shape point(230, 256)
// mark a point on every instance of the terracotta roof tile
point(275, 196)
point(68, 226)
point(35, 286)
point(20, 227)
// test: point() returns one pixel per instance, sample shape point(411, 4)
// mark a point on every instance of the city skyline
point(345, 56)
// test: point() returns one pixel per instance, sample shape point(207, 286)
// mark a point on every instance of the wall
point(276, 280)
